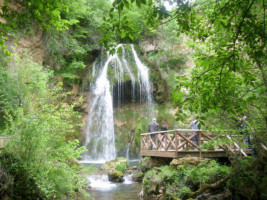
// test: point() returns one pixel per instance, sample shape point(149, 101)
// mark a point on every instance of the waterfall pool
point(117, 191)
point(102, 189)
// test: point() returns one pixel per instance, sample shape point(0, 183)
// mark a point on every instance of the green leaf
point(138, 3)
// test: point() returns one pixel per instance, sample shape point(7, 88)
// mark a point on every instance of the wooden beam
point(241, 150)
point(187, 140)
point(171, 141)
point(264, 147)
point(168, 131)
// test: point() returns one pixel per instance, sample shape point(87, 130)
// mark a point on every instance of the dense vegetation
point(40, 160)
point(225, 80)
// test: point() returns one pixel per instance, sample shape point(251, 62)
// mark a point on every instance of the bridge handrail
point(167, 131)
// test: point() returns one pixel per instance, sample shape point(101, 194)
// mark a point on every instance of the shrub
point(38, 156)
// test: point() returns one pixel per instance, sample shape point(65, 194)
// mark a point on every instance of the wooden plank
point(152, 142)
point(176, 141)
point(241, 150)
point(184, 142)
point(161, 140)
point(144, 141)
point(189, 140)
point(166, 142)
point(181, 154)
point(199, 142)
point(264, 147)
point(165, 154)
point(168, 131)
point(171, 141)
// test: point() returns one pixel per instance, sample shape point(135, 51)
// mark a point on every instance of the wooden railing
point(185, 140)
point(3, 141)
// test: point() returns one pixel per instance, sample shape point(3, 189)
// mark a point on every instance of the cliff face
point(29, 45)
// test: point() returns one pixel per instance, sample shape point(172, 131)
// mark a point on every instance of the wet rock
point(138, 177)
point(115, 176)
point(134, 167)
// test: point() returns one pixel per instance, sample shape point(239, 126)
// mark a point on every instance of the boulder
point(115, 176)
point(138, 177)
point(111, 165)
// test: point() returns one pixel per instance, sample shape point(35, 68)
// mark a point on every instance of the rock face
point(189, 161)
point(138, 177)
point(148, 163)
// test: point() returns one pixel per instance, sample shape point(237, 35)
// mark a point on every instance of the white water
point(143, 78)
point(100, 182)
point(100, 138)
point(128, 179)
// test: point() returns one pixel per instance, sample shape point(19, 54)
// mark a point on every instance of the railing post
point(165, 140)
point(157, 141)
point(199, 142)
point(142, 145)
point(176, 141)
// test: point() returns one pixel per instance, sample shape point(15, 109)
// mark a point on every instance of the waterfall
point(143, 79)
point(128, 145)
point(111, 73)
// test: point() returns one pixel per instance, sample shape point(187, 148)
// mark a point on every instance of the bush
point(38, 156)
point(178, 184)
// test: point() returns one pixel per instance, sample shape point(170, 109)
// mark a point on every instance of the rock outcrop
point(188, 161)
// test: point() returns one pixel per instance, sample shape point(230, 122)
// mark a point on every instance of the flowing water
point(111, 74)
point(102, 189)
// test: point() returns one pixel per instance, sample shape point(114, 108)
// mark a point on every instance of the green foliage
point(228, 40)
point(206, 173)
point(38, 155)
point(178, 183)
point(121, 167)
point(69, 51)
point(48, 13)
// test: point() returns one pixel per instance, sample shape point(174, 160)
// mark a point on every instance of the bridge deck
point(183, 142)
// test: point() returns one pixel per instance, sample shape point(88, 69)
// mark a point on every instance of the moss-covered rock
point(148, 163)
point(119, 164)
point(188, 161)
point(115, 176)
point(138, 177)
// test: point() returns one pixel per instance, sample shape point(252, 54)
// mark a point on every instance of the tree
point(38, 157)
point(48, 13)
point(228, 37)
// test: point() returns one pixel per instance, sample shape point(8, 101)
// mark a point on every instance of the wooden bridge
point(183, 142)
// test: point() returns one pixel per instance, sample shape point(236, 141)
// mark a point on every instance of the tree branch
point(239, 28)
point(213, 186)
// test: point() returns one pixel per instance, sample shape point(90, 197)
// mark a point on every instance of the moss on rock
point(138, 177)
point(115, 176)
point(148, 163)
point(190, 162)
point(116, 164)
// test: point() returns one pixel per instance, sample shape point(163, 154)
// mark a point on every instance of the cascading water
point(143, 79)
point(110, 79)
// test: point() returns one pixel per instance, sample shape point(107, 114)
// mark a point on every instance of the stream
point(102, 189)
